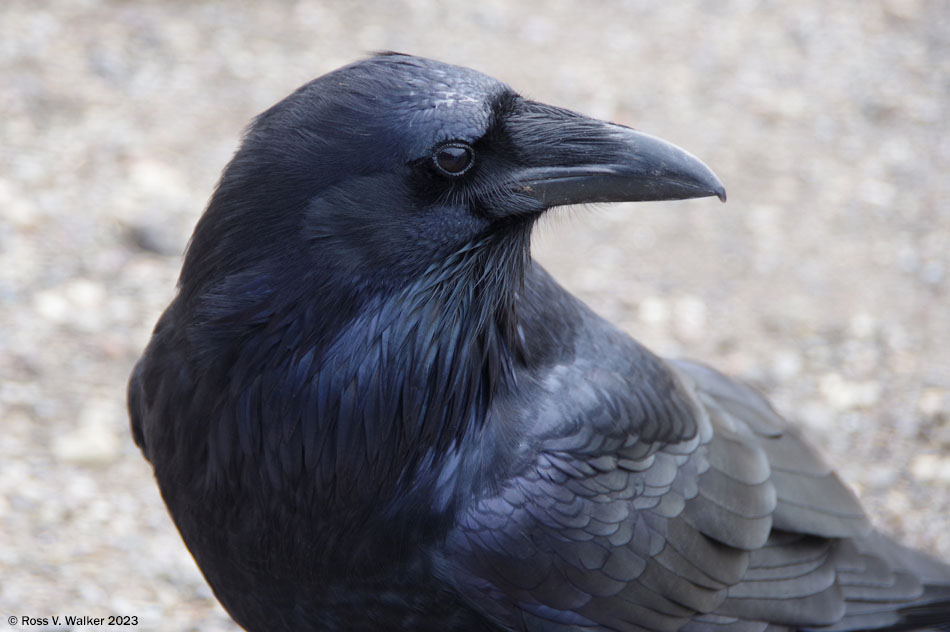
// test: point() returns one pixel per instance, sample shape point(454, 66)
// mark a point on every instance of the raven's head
point(360, 262)
point(389, 167)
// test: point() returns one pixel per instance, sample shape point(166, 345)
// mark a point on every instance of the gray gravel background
point(824, 280)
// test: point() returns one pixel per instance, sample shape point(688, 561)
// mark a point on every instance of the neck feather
point(383, 401)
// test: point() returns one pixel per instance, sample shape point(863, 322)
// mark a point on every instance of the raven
point(368, 408)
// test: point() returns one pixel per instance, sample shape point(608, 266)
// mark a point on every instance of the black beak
point(577, 159)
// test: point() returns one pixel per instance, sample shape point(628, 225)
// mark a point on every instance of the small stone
point(932, 272)
point(844, 394)
point(159, 240)
point(85, 293)
point(786, 364)
point(94, 440)
point(931, 468)
point(154, 176)
point(90, 445)
point(862, 325)
point(689, 318)
point(880, 478)
point(654, 311)
point(877, 193)
point(815, 415)
point(52, 306)
point(79, 302)
point(933, 401)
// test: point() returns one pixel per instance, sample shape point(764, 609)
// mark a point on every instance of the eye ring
point(454, 158)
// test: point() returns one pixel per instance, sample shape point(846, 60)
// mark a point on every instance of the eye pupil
point(454, 159)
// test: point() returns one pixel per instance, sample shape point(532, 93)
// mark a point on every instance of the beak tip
point(713, 184)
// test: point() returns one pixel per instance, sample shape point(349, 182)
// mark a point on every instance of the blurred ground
point(824, 280)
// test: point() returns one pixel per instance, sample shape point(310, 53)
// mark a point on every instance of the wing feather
point(622, 516)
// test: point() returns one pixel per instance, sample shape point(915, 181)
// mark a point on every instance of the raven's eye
point(454, 158)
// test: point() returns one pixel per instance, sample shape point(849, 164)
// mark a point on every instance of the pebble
point(94, 440)
point(689, 318)
point(933, 401)
point(786, 364)
point(844, 394)
point(654, 311)
point(931, 468)
point(78, 303)
point(862, 325)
